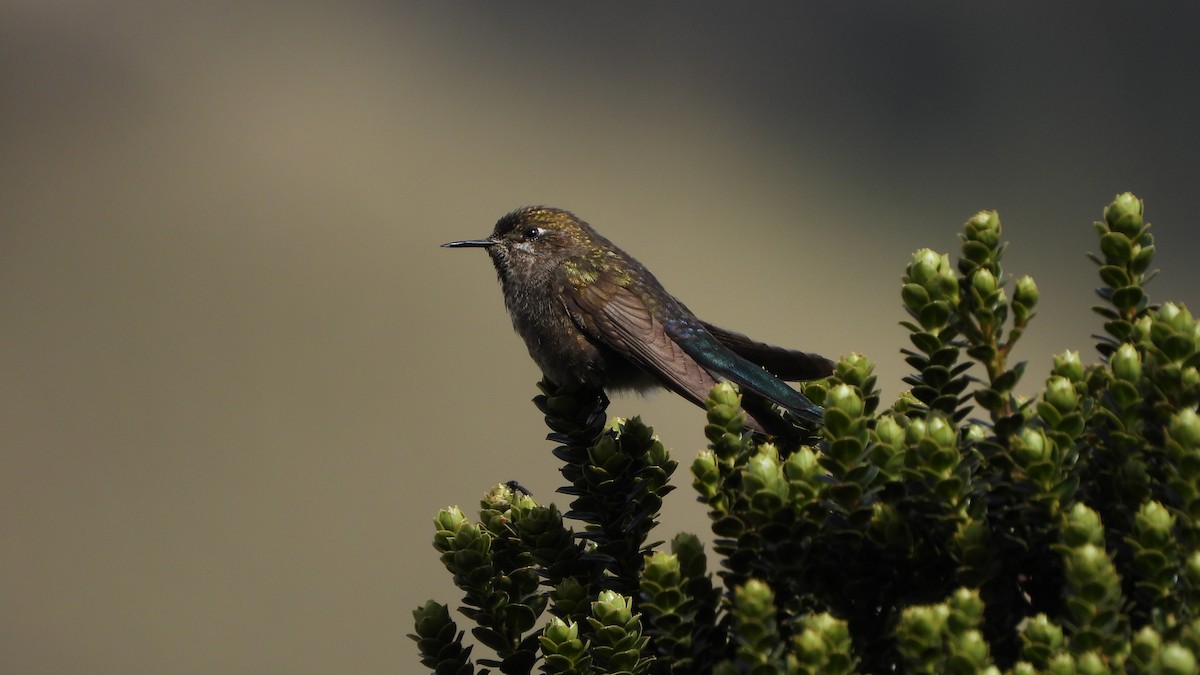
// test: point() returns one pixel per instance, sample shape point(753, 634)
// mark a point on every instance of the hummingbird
point(591, 314)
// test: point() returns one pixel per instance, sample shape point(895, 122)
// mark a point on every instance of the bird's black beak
point(469, 243)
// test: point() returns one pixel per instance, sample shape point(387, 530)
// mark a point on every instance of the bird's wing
point(786, 364)
point(700, 344)
point(618, 318)
point(680, 351)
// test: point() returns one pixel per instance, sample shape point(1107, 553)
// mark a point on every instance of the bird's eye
point(532, 232)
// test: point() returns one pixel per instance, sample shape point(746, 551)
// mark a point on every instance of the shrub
point(1053, 535)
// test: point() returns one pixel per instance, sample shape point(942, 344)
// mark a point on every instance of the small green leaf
point(989, 398)
point(1114, 276)
point(914, 296)
point(1143, 258)
point(1116, 248)
point(1178, 347)
point(1129, 297)
point(982, 352)
point(976, 252)
point(926, 342)
point(729, 526)
point(935, 315)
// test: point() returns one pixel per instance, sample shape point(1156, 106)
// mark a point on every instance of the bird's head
point(532, 241)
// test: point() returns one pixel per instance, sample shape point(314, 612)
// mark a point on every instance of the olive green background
point(238, 377)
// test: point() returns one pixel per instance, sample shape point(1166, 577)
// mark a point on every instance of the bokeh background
point(238, 377)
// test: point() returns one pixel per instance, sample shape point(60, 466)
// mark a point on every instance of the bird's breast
point(563, 351)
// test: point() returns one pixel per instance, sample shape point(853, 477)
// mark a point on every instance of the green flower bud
point(570, 596)
point(1068, 365)
point(507, 497)
point(1177, 315)
point(1176, 659)
point(972, 646)
point(561, 631)
point(763, 472)
point(889, 431)
point(705, 463)
point(925, 622)
point(561, 644)
point(915, 432)
point(1082, 527)
point(1179, 319)
point(1124, 215)
point(924, 267)
point(1153, 517)
point(942, 432)
point(725, 417)
point(1039, 629)
point(1190, 378)
point(1142, 329)
point(945, 284)
point(431, 618)
point(497, 497)
point(976, 433)
point(612, 608)
point(984, 282)
point(810, 647)
point(706, 476)
point(450, 519)
point(984, 227)
point(1184, 428)
point(604, 450)
point(725, 394)
point(935, 275)
point(1126, 363)
point(854, 368)
point(755, 599)
point(1030, 446)
point(470, 536)
point(845, 398)
point(1090, 561)
point(825, 624)
point(968, 607)
point(1060, 393)
point(905, 401)
point(801, 465)
point(1147, 641)
point(1091, 663)
point(1026, 292)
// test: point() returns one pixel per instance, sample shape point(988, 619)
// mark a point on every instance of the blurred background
point(238, 377)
